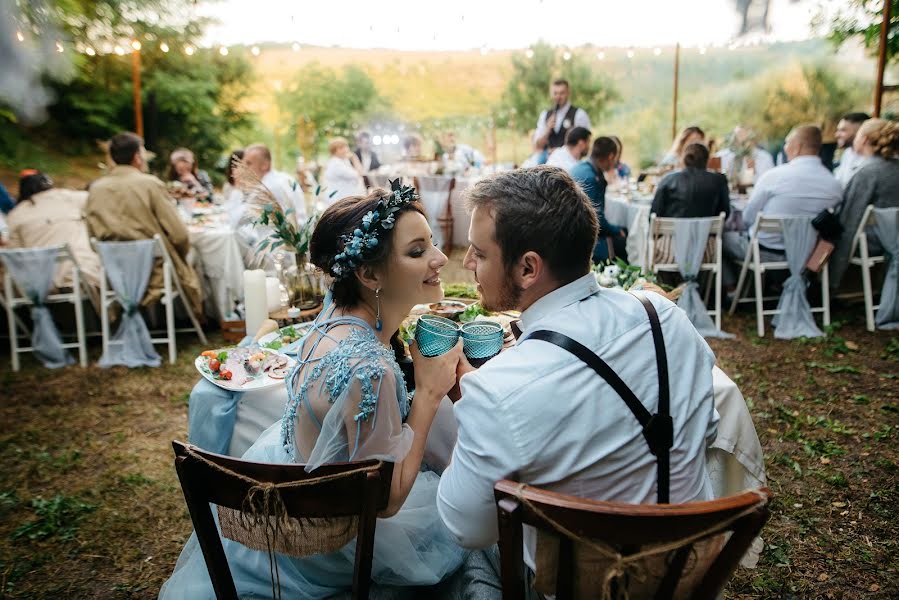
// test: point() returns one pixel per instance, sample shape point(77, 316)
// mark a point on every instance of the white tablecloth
point(218, 259)
point(633, 215)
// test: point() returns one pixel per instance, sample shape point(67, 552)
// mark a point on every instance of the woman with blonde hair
point(876, 182)
point(183, 168)
point(688, 135)
point(343, 173)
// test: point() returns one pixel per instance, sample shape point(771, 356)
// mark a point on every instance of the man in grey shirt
point(800, 187)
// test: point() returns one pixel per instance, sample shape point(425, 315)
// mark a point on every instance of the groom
point(535, 413)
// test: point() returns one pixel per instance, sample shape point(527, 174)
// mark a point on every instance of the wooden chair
point(361, 494)
point(628, 529)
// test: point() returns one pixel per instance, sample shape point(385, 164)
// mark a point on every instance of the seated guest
point(621, 172)
point(48, 216)
point(233, 195)
point(875, 182)
point(284, 187)
point(688, 135)
point(803, 186)
point(577, 144)
point(850, 160)
point(412, 147)
point(532, 234)
point(183, 168)
point(759, 159)
point(347, 401)
point(129, 204)
point(367, 158)
point(589, 175)
point(692, 191)
point(538, 155)
point(461, 153)
point(343, 174)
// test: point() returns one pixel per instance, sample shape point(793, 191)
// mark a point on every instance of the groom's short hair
point(540, 209)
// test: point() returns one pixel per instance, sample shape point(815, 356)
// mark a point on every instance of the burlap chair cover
point(296, 537)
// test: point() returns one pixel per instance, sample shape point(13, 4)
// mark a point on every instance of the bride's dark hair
point(341, 219)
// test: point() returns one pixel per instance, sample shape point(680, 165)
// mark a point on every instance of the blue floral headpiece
point(361, 244)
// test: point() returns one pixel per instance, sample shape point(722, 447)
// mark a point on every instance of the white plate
point(259, 383)
point(301, 329)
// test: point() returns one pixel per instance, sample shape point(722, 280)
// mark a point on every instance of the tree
point(321, 101)
point(527, 92)
point(863, 19)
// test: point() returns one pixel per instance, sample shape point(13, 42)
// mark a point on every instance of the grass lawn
point(90, 506)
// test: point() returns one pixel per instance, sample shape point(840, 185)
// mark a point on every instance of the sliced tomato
point(225, 374)
point(214, 364)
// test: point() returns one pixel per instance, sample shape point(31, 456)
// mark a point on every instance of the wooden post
point(882, 56)
point(135, 78)
point(676, 84)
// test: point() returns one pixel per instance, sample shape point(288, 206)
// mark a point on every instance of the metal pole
point(882, 56)
point(135, 78)
point(676, 84)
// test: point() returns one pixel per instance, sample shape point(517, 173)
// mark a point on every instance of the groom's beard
point(507, 298)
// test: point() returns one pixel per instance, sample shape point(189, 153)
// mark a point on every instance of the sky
point(492, 24)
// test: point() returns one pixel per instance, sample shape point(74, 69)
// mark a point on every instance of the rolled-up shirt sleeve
point(485, 453)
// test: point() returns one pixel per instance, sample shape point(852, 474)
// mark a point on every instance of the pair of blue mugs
point(438, 335)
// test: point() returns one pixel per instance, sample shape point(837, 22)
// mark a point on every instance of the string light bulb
point(566, 55)
point(630, 53)
point(702, 49)
point(295, 47)
point(529, 53)
point(657, 51)
point(223, 51)
point(164, 47)
point(20, 36)
point(601, 55)
point(120, 51)
point(90, 51)
point(189, 50)
point(59, 47)
point(136, 45)
point(255, 50)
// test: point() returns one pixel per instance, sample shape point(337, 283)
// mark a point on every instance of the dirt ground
point(90, 506)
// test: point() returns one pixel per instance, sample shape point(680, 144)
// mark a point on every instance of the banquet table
point(218, 258)
point(633, 214)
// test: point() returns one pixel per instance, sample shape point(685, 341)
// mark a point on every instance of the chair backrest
point(206, 478)
point(63, 254)
point(626, 530)
point(665, 226)
point(867, 219)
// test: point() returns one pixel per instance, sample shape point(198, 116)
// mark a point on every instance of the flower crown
point(360, 245)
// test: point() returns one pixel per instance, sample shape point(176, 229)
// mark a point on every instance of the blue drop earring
point(378, 303)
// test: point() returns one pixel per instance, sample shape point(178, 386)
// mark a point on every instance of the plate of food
point(244, 369)
point(450, 309)
point(284, 336)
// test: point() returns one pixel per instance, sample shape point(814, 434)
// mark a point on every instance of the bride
point(347, 401)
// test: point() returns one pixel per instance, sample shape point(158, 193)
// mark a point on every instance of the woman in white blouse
point(343, 174)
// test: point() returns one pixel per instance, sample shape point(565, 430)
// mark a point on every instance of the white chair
point(753, 262)
point(11, 300)
point(662, 227)
point(169, 295)
point(865, 262)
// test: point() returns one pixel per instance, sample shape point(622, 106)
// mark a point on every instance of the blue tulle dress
point(346, 403)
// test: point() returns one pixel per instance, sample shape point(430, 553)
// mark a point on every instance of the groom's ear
point(530, 269)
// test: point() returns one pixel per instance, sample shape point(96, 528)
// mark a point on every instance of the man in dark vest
point(554, 123)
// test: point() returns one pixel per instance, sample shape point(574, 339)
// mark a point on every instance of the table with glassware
point(218, 258)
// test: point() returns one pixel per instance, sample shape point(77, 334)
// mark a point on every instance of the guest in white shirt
point(577, 144)
point(803, 186)
point(461, 153)
point(343, 173)
point(284, 187)
point(850, 161)
point(537, 414)
point(759, 160)
point(554, 123)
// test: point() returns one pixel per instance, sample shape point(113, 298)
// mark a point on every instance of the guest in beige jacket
point(49, 216)
point(128, 204)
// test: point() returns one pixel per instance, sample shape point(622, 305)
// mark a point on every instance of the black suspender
point(658, 429)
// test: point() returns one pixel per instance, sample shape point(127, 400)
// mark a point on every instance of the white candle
point(254, 298)
point(273, 294)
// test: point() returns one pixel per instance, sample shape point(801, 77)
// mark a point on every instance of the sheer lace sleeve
point(365, 420)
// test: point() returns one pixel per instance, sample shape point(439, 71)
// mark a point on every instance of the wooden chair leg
point(511, 552)
point(365, 540)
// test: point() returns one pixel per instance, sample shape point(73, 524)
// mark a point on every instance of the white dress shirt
point(538, 415)
point(580, 120)
point(763, 160)
point(340, 180)
point(562, 158)
point(850, 162)
point(803, 186)
point(467, 155)
point(287, 192)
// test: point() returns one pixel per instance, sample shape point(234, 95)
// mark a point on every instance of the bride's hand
point(434, 376)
